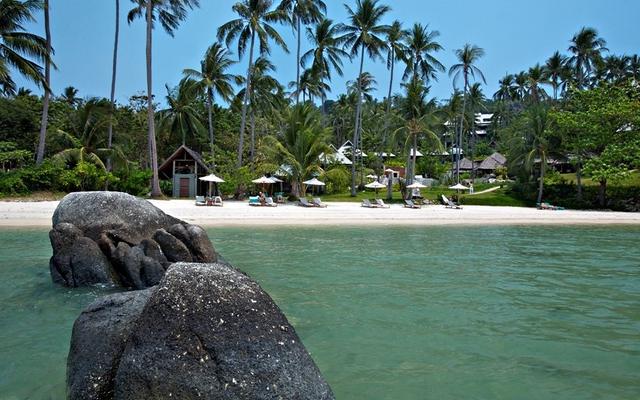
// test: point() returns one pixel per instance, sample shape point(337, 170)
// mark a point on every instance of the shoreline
point(239, 214)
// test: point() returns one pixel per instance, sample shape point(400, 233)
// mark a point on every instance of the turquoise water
point(394, 313)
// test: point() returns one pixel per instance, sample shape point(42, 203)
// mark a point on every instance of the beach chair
point(200, 201)
point(366, 203)
point(318, 203)
point(450, 204)
point(380, 203)
point(303, 202)
point(411, 204)
point(547, 206)
point(270, 202)
point(254, 201)
point(217, 201)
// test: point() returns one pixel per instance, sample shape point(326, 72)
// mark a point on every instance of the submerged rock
point(206, 331)
point(117, 239)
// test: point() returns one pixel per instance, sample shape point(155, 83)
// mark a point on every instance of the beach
point(238, 213)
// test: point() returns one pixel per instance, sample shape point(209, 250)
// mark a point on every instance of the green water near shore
point(393, 313)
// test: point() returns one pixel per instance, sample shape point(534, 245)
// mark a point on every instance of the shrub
point(337, 179)
point(12, 184)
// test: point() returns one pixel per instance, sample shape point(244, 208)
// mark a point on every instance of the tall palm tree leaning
point(255, 19)
point(213, 79)
point(302, 12)
point(16, 44)
point(467, 58)
point(326, 52)
point(363, 33)
point(47, 88)
point(587, 48)
point(170, 13)
point(112, 97)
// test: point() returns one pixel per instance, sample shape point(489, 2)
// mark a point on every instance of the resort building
point(183, 168)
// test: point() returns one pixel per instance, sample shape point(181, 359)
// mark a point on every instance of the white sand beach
point(235, 213)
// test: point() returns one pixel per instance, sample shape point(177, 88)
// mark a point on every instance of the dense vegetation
point(580, 109)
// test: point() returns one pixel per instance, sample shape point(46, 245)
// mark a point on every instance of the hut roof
point(465, 164)
point(492, 162)
point(183, 151)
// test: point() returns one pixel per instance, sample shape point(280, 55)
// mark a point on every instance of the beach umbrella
point(313, 182)
point(375, 185)
point(370, 176)
point(211, 178)
point(459, 186)
point(416, 185)
point(263, 180)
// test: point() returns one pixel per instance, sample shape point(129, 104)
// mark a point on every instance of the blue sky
point(515, 35)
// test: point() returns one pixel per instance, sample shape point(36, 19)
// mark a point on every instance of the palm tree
point(634, 67)
point(170, 13)
point(325, 53)
point(310, 85)
point(476, 102)
point(181, 116)
point(47, 87)
point(16, 44)
point(553, 69)
point(419, 118)
point(302, 142)
point(213, 79)
point(467, 57)
point(114, 67)
point(302, 12)
point(255, 19)
point(420, 44)
point(395, 51)
point(70, 96)
point(521, 81)
point(506, 90)
point(535, 78)
point(587, 48)
point(363, 33)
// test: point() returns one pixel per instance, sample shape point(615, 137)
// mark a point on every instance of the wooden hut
point(183, 168)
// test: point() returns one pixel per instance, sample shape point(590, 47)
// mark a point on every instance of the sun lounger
point(270, 202)
point(318, 203)
point(547, 206)
point(200, 201)
point(254, 201)
point(450, 204)
point(411, 204)
point(380, 203)
point(303, 202)
point(366, 203)
point(217, 201)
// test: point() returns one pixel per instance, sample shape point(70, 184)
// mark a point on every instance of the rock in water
point(206, 331)
point(108, 238)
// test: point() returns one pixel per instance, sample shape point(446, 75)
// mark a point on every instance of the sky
point(515, 35)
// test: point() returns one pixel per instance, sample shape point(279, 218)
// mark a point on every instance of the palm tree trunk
point(298, 64)
point(245, 102)
point(253, 136)
point(461, 127)
point(383, 145)
point(413, 157)
point(357, 123)
point(47, 88)
point(155, 181)
point(210, 118)
point(113, 83)
point(543, 164)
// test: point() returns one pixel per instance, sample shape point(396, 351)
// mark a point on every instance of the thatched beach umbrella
point(313, 182)
point(263, 180)
point(375, 185)
point(211, 178)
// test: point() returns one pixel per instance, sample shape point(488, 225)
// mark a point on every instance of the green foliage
point(337, 179)
point(135, 181)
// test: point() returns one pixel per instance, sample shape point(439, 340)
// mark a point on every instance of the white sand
point(26, 214)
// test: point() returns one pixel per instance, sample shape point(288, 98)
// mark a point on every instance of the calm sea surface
point(393, 313)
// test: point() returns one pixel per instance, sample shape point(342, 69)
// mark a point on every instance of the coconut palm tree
point(587, 48)
point(634, 67)
point(467, 57)
point(521, 81)
point(535, 79)
point(114, 66)
point(553, 69)
point(506, 90)
point(255, 20)
point(70, 96)
point(213, 79)
point(20, 50)
point(47, 86)
point(169, 13)
point(181, 116)
point(476, 102)
point(421, 44)
point(302, 12)
point(302, 142)
point(396, 50)
point(326, 52)
point(363, 33)
point(419, 120)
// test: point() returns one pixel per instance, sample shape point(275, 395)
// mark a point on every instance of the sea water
point(392, 312)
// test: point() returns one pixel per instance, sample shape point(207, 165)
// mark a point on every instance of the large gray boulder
point(114, 238)
point(206, 331)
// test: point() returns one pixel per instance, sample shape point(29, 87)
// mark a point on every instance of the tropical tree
point(70, 96)
point(521, 81)
point(213, 79)
point(467, 57)
point(47, 86)
point(326, 52)
point(302, 12)
point(255, 20)
point(553, 71)
point(476, 102)
point(506, 91)
point(420, 46)
point(395, 51)
point(181, 116)
point(114, 68)
point(634, 67)
point(299, 147)
point(363, 33)
point(535, 79)
point(587, 48)
point(169, 13)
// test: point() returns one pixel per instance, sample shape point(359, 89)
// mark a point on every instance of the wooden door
point(184, 187)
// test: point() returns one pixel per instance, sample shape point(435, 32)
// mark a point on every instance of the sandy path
point(26, 214)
